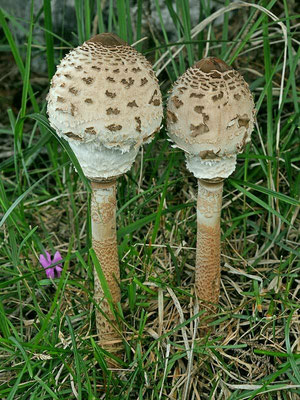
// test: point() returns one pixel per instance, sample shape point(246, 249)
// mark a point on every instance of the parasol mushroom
point(106, 102)
point(210, 115)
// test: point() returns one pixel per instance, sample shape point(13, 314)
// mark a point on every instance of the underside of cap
point(99, 163)
point(210, 169)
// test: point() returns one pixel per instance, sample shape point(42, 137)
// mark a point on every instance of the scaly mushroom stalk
point(104, 239)
point(210, 116)
point(209, 204)
point(106, 102)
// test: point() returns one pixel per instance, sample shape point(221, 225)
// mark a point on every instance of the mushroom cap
point(210, 114)
point(105, 97)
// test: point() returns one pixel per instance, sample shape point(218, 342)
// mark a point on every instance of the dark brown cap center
point(108, 40)
point(210, 64)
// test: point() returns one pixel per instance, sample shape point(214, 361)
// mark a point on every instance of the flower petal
point(45, 262)
point(50, 273)
point(57, 257)
point(58, 271)
point(58, 268)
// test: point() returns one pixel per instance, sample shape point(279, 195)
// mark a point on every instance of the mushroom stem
point(209, 206)
point(104, 239)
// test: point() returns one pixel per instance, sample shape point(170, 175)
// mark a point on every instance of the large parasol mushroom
point(210, 116)
point(106, 102)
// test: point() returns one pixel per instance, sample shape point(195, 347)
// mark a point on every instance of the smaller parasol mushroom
point(106, 102)
point(210, 115)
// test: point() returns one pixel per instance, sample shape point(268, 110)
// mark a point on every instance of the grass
point(48, 346)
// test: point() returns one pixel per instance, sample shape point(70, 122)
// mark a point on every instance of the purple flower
point(46, 263)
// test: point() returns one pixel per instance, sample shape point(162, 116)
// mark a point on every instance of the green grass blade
point(87, 19)
point(49, 38)
point(122, 19)
point(26, 77)
point(292, 59)
point(149, 218)
point(139, 24)
point(4, 322)
point(101, 27)
point(158, 9)
point(102, 279)
point(78, 360)
point(225, 32)
point(269, 192)
point(24, 195)
point(15, 388)
point(186, 18)
point(268, 74)
point(292, 359)
point(25, 356)
point(129, 22)
point(80, 21)
point(17, 57)
point(44, 122)
point(259, 201)
point(46, 387)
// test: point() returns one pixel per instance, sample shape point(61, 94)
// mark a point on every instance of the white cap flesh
point(105, 101)
point(210, 116)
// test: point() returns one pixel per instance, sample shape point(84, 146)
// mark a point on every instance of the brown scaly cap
point(106, 92)
point(105, 96)
point(210, 111)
